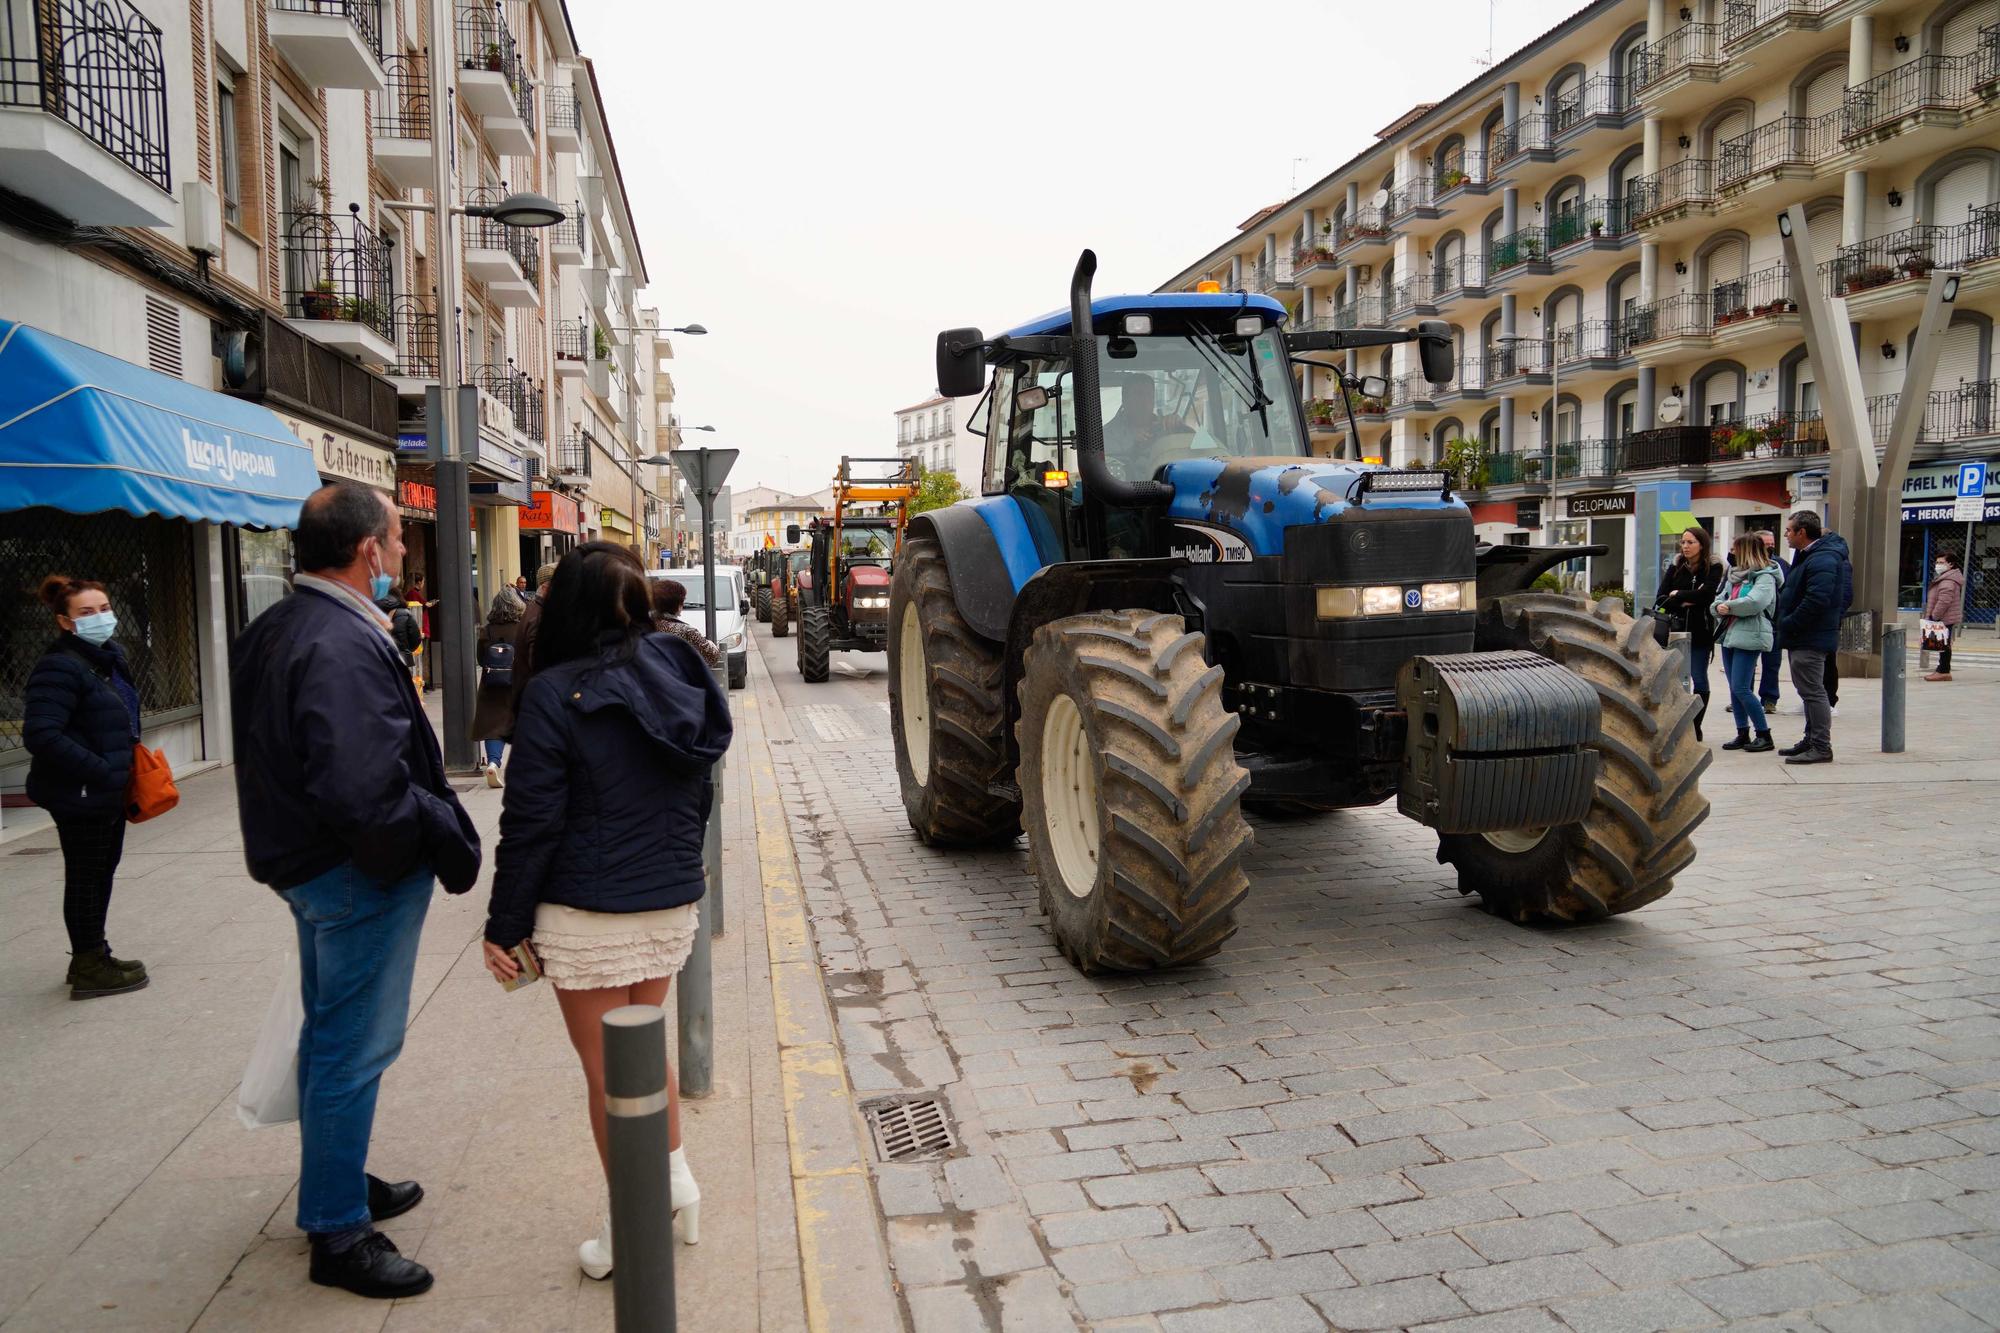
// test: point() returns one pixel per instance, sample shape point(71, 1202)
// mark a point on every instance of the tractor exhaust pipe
point(1097, 478)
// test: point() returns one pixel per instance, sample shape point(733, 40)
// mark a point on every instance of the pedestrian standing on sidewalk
point(1945, 602)
point(524, 642)
point(669, 596)
point(345, 811)
point(1809, 607)
point(404, 629)
point(79, 722)
point(599, 867)
point(492, 710)
point(1772, 658)
point(522, 590)
point(1685, 595)
point(1743, 617)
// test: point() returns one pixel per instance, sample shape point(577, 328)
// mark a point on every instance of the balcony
point(1459, 174)
point(1365, 313)
point(1518, 362)
point(573, 340)
point(1930, 92)
point(1275, 276)
point(1467, 384)
point(83, 112)
point(1414, 295)
point(508, 260)
point(414, 319)
point(1411, 201)
point(1463, 276)
point(403, 123)
point(1752, 24)
point(1593, 344)
point(1532, 137)
point(563, 120)
point(513, 133)
point(1669, 327)
point(1743, 310)
point(522, 397)
point(1690, 54)
point(1907, 257)
point(598, 377)
point(337, 284)
point(1523, 251)
point(1364, 230)
point(597, 288)
point(489, 66)
point(569, 240)
point(571, 458)
point(1769, 435)
point(1602, 224)
point(1790, 146)
point(1313, 256)
point(332, 43)
point(1685, 189)
point(1602, 101)
point(1666, 446)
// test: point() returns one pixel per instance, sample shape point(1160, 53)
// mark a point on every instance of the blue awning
point(84, 431)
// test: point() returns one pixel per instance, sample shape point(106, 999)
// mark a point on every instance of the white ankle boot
point(686, 1197)
point(594, 1255)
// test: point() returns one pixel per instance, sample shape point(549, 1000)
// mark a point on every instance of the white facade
point(931, 433)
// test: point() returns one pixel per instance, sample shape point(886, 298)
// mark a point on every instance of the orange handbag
point(152, 792)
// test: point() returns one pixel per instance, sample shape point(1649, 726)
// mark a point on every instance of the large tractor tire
point(762, 600)
point(947, 709)
point(1131, 791)
point(815, 638)
point(1637, 836)
point(781, 616)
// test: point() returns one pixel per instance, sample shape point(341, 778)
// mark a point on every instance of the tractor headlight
point(1450, 596)
point(871, 603)
point(1382, 601)
point(1340, 603)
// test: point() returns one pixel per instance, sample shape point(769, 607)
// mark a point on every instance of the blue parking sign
point(1971, 504)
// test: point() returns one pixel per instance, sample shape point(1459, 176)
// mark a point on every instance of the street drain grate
point(909, 1128)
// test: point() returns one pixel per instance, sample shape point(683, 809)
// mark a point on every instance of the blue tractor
point(1165, 609)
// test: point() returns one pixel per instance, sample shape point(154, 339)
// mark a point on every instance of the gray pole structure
point(1895, 683)
point(636, 1144)
point(694, 1006)
point(452, 585)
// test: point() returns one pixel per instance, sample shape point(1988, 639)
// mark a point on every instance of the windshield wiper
point(1211, 350)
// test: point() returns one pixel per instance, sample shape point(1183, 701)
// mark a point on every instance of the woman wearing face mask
point(1945, 602)
point(80, 723)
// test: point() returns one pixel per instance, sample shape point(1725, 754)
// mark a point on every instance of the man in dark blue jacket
point(345, 811)
point(1815, 593)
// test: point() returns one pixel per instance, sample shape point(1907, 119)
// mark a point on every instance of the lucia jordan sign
point(225, 461)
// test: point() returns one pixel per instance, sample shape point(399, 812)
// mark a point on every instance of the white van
point(730, 608)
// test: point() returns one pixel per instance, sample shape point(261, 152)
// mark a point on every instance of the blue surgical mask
point(96, 628)
point(379, 585)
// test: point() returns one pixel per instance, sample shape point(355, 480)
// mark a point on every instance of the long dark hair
point(1704, 539)
point(596, 604)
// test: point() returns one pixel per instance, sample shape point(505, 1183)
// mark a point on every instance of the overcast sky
point(826, 186)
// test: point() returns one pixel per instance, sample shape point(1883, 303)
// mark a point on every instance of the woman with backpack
point(492, 711)
point(80, 722)
point(1743, 612)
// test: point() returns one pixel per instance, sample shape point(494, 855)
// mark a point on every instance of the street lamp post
point(638, 463)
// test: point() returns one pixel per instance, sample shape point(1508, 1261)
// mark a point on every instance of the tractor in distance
point(762, 570)
point(1165, 610)
point(785, 592)
point(844, 588)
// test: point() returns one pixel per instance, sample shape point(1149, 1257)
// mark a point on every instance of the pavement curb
point(844, 1267)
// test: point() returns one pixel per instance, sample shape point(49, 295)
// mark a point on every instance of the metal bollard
point(713, 902)
point(642, 1213)
point(1895, 682)
point(1682, 642)
point(695, 1004)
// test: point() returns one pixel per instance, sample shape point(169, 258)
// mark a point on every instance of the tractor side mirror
point(1374, 386)
point(1434, 350)
point(792, 533)
point(1031, 400)
point(961, 362)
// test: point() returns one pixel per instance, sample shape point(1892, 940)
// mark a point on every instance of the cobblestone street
point(1768, 1100)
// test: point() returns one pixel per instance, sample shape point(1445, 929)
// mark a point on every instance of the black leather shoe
point(1762, 745)
point(1791, 750)
point(371, 1267)
point(386, 1201)
point(1811, 757)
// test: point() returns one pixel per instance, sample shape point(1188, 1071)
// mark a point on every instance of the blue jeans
point(357, 953)
point(1740, 665)
point(494, 749)
point(1768, 690)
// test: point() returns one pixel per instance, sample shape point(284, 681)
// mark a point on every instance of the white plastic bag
point(269, 1094)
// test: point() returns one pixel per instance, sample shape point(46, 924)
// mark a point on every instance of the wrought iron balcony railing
point(364, 15)
point(572, 339)
point(572, 231)
point(337, 268)
point(523, 396)
point(1416, 290)
point(1587, 220)
point(563, 110)
point(1599, 95)
point(1912, 253)
point(572, 456)
point(1775, 434)
point(524, 101)
point(1452, 277)
point(1768, 291)
point(1410, 197)
point(1689, 181)
point(1364, 313)
point(1310, 254)
point(1505, 361)
point(1788, 141)
point(1591, 340)
point(416, 336)
point(96, 64)
point(1685, 47)
point(484, 42)
point(1928, 83)
point(1968, 411)
point(1744, 20)
point(1526, 135)
point(1272, 276)
point(1457, 169)
point(1529, 245)
point(403, 111)
point(1682, 316)
point(523, 243)
point(1365, 224)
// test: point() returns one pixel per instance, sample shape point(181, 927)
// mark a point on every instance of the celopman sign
point(1603, 504)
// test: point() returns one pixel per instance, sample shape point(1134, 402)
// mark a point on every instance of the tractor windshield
point(868, 543)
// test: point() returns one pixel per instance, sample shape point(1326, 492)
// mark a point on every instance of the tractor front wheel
point(815, 644)
point(1638, 834)
point(781, 615)
point(1131, 791)
point(763, 603)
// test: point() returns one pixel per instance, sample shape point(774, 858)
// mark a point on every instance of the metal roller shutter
point(1960, 35)
point(1958, 362)
point(1955, 196)
point(1826, 92)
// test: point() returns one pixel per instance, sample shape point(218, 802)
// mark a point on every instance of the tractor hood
point(1232, 509)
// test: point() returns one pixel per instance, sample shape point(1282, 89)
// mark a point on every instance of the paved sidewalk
point(130, 1197)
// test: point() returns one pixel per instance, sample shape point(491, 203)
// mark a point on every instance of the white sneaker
point(493, 775)
point(686, 1197)
point(594, 1255)
point(1835, 710)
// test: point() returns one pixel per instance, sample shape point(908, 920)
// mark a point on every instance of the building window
point(229, 177)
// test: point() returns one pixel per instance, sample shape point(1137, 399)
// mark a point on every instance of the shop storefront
point(1933, 522)
point(113, 472)
point(550, 524)
point(617, 527)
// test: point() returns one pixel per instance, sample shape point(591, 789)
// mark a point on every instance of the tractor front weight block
point(1496, 741)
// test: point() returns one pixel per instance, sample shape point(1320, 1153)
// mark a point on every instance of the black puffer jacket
point(1686, 594)
point(79, 730)
point(608, 790)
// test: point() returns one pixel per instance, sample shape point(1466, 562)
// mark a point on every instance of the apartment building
point(1598, 209)
point(930, 433)
point(762, 514)
point(218, 213)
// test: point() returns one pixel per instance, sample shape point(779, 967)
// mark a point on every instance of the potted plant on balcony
point(1597, 229)
point(600, 344)
point(1451, 178)
point(494, 62)
point(319, 302)
point(1875, 275)
point(1916, 265)
point(360, 310)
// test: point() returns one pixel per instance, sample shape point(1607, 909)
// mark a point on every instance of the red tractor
point(843, 592)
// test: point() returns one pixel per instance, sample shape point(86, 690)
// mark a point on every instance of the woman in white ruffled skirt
point(599, 869)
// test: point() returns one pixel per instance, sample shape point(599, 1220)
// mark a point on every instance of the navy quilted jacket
point(79, 730)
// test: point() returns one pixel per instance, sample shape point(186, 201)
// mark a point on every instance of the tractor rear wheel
point(1131, 791)
point(781, 615)
point(947, 709)
point(815, 639)
point(763, 603)
point(1637, 836)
